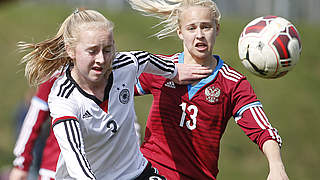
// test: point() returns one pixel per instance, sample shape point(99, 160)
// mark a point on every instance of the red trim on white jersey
point(57, 120)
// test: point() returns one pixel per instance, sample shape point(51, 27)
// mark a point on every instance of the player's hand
point(189, 73)
point(18, 174)
point(271, 150)
point(277, 172)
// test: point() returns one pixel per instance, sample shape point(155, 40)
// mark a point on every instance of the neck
point(209, 61)
point(93, 88)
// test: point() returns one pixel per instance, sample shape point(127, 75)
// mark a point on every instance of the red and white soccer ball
point(269, 46)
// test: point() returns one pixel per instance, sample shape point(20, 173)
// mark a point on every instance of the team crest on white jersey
point(124, 95)
point(170, 84)
point(212, 94)
point(154, 178)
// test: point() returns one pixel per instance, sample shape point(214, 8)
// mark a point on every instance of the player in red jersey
point(37, 116)
point(186, 122)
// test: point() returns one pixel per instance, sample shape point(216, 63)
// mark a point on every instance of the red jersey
point(186, 122)
point(37, 115)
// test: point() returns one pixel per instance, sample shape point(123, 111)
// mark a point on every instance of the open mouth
point(97, 69)
point(201, 46)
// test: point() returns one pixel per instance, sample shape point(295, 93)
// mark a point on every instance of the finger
point(190, 65)
point(202, 72)
point(198, 68)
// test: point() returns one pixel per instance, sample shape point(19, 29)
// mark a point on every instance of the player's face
point(198, 31)
point(93, 55)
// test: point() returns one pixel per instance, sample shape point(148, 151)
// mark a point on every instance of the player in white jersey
point(37, 118)
point(91, 103)
point(98, 133)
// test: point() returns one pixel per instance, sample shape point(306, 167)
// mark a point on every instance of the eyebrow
point(196, 23)
point(90, 46)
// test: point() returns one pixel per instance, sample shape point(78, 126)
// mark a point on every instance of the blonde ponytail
point(45, 59)
point(49, 56)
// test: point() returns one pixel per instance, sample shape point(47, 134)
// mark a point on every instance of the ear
point(70, 52)
point(217, 29)
point(179, 33)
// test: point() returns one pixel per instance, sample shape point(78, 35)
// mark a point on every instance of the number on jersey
point(193, 111)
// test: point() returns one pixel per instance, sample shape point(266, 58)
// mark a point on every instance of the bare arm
point(272, 152)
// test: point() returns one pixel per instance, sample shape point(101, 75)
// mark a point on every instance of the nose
point(100, 57)
point(199, 33)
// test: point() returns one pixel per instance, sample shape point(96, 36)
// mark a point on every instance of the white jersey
point(97, 138)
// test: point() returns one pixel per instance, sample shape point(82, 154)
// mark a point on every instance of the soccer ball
point(269, 46)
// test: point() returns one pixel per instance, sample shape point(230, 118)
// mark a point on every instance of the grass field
point(292, 103)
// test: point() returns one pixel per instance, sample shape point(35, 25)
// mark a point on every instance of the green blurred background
point(291, 103)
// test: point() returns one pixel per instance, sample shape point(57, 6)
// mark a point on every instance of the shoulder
point(126, 55)
point(229, 77)
point(229, 74)
point(124, 59)
point(62, 88)
point(63, 99)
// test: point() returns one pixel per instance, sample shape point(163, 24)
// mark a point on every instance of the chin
point(202, 55)
point(96, 79)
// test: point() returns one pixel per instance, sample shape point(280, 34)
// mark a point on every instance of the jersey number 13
point(193, 111)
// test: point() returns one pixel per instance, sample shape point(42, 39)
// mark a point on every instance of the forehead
point(95, 36)
point(196, 14)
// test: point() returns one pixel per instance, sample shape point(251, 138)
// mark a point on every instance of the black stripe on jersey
point(75, 85)
point(121, 65)
point(62, 85)
point(121, 61)
point(167, 67)
point(121, 58)
point(77, 141)
point(62, 120)
point(164, 65)
point(69, 128)
point(108, 87)
point(74, 122)
point(68, 94)
point(143, 54)
point(66, 88)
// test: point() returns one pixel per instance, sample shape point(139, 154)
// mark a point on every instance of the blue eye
point(190, 28)
point(207, 26)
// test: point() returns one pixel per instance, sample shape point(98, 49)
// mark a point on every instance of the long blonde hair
point(169, 11)
point(49, 56)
